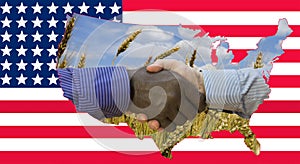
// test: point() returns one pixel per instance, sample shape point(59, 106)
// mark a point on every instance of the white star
point(52, 65)
point(52, 79)
point(52, 8)
point(6, 22)
point(22, 37)
point(65, 23)
point(37, 51)
point(6, 65)
point(115, 8)
point(5, 79)
point(6, 8)
point(21, 8)
point(116, 20)
point(52, 51)
point(37, 36)
point(68, 8)
point(52, 36)
point(37, 22)
point(37, 80)
point(6, 36)
point(83, 8)
point(21, 79)
point(6, 51)
point(52, 22)
point(21, 51)
point(37, 8)
point(21, 65)
point(37, 65)
point(21, 22)
point(99, 8)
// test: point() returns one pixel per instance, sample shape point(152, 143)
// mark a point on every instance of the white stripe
point(56, 94)
point(31, 94)
point(286, 68)
point(284, 94)
point(83, 119)
point(275, 119)
point(250, 42)
point(147, 144)
point(210, 17)
point(49, 119)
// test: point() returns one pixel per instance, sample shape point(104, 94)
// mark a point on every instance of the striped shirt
point(101, 91)
point(240, 91)
point(105, 91)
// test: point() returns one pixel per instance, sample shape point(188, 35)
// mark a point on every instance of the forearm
point(240, 91)
point(101, 92)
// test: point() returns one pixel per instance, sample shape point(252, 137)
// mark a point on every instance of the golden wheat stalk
point(148, 61)
point(193, 58)
point(203, 125)
point(81, 63)
point(187, 59)
point(127, 41)
point(63, 64)
point(167, 53)
point(125, 44)
point(258, 62)
point(63, 44)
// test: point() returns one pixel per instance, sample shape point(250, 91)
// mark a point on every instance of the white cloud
point(150, 34)
point(187, 33)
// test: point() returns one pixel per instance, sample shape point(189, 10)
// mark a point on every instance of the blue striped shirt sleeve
point(240, 91)
point(100, 91)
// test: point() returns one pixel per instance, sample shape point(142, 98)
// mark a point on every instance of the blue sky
point(99, 40)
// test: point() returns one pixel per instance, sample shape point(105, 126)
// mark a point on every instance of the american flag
point(37, 125)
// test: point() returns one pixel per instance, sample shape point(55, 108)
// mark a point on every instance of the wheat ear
point(125, 44)
point(258, 62)
point(63, 44)
point(167, 53)
point(193, 58)
point(81, 63)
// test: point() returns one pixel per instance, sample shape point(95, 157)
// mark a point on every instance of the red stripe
point(37, 107)
point(67, 107)
point(216, 5)
point(56, 157)
point(279, 107)
point(126, 132)
point(66, 132)
point(284, 81)
point(243, 31)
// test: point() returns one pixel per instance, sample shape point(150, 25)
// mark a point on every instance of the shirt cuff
point(101, 91)
point(65, 78)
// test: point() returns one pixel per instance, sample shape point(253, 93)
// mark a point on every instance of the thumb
point(154, 68)
point(168, 64)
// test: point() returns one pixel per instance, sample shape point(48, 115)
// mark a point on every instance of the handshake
point(166, 93)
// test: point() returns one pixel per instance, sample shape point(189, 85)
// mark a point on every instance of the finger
point(141, 117)
point(163, 121)
point(160, 129)
point(153, 124)
point(154, 68)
